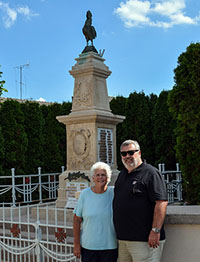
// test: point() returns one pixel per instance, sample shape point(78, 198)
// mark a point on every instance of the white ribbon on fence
point(50, 188)
point(29, 191)
point(4, 190)
point(23, 250)
point(17, 250)
point(57, 256)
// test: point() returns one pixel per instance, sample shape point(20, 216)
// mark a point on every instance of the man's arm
point(76, 230)
point(158, 219)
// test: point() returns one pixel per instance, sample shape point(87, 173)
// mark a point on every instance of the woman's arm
point(76, 229)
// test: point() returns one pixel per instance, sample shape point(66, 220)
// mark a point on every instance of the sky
point(142, 40)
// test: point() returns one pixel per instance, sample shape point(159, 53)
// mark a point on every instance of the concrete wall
point(182, 226)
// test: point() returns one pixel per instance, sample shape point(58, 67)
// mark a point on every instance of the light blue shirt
point(97, 231)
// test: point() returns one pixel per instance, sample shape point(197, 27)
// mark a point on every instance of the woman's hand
point(77, 250)
point(76, 230)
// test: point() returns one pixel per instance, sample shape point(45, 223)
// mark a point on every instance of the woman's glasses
point(100, 175)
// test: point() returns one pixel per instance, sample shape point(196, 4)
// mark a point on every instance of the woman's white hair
point(101, 165)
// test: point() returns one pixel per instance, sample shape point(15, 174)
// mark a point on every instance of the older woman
point(94, 235)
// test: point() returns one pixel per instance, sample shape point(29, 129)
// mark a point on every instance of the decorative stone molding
point(81, 146)
point(83, 93)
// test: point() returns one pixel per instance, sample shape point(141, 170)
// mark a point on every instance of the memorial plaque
point(105, 145)
point(72, 188)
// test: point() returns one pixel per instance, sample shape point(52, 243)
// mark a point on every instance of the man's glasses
point(130, 152)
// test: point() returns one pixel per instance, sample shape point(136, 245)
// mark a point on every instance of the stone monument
point(90, 127)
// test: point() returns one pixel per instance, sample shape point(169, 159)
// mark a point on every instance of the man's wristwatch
point(156, 230)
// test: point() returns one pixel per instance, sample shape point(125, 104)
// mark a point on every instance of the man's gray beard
point(132, 165)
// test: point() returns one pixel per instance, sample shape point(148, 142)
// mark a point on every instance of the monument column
point(91, 126)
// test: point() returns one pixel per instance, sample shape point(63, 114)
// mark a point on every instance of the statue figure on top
point(89, 33)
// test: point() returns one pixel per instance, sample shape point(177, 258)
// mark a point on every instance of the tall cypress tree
point(54, 137)
point(184, 104)
point(15, 138)
point(163, 133)
point(139, 125)
point(33, 125)
point(118, 107)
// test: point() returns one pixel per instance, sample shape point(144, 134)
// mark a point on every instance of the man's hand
point(158, 219)
point(153, 240)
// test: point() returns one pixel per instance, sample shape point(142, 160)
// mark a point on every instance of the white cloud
point(26, 11)
point(155, 13)
point(134, 12)
point(169, 7)
point(10, 14)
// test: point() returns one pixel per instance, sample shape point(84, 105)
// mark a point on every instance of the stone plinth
point(182, 226)
point(91, 126)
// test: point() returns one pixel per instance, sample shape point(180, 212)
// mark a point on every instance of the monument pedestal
point(91, 127)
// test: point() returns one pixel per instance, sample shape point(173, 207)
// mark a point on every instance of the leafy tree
point(184, 104)
point(2, 82)
point(15, 138)
point(33, 125)
point(163, 133)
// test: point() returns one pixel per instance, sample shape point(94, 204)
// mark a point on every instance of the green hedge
point(30, 136)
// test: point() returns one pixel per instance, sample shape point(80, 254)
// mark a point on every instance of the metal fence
point(46, 185)
point(24, 187)
point(173, 180)
point(37, 233)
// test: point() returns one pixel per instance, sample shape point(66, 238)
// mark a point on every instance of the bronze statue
point(89, 33)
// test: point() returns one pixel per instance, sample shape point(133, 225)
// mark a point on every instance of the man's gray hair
point(101, 165)
point(130, 142)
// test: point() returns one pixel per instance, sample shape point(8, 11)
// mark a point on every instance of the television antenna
point(20, 67)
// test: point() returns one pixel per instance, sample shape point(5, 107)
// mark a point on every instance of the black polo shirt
point(134, 202)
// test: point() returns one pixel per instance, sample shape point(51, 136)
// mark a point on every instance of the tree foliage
point(2, 152)
point(163, 133)
point(15, 138)
point(54, 137)
point(118, 107)
point(30, 136)
point(184, 104)
point(44, 144)
point(139, 126)
point(2, 82)
point(34, 127)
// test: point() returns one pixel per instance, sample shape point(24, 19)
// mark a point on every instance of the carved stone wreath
point(81, 142)
point(81, 146)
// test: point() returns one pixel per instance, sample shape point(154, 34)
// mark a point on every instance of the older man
point(139, 207)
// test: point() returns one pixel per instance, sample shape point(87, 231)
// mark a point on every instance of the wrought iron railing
point(23, 187)
point(36, 233)
point(173, 180)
